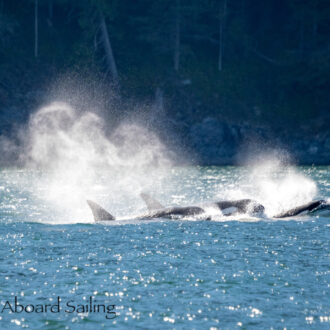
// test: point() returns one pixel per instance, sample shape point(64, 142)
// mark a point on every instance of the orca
point(226, 207)
point(100, 214)
point(157, 210)
point(243, 206)
point(151, 203)
point(306, 208)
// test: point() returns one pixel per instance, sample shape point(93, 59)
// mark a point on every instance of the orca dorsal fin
point(99, 213)
point(152, 204)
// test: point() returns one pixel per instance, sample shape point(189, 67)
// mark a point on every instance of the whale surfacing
point(227, 208)
point(157, 210)
point(309, 207)
point(151, 203)
point(99, 213)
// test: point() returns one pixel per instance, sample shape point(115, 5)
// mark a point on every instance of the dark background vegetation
point(223, 71)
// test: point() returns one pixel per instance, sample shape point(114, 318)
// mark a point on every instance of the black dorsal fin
point(152, 204)
point(99, 213)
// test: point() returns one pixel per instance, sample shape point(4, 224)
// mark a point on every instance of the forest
point(249, 65)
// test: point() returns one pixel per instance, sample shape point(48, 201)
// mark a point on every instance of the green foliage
point(276, 54)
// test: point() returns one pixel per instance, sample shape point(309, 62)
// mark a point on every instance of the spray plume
point(272, 181)
point(80, 161)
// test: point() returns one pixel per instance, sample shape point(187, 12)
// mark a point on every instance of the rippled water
point(228, 273)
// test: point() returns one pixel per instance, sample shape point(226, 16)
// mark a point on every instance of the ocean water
point(232, 272)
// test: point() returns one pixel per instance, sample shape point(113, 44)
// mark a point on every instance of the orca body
point(228, 208)
point(157, 210)
point(306, 208)
point(175, 212)
point(242, 206)
point(100, 214)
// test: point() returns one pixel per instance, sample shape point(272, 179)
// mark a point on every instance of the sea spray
point(281, 187)
point(273, 182)
point(79, 161)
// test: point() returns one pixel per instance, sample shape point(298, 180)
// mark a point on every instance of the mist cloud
point(79, 160)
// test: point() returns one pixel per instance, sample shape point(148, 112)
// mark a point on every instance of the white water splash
point(282, 188)
point(277, 186)
point(80, 161)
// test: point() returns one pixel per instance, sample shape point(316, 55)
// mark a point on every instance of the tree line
point(259, 59)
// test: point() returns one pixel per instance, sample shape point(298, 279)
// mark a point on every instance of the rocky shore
point(220, 143)
point(209, 142)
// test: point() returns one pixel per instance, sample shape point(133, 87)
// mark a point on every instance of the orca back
point(309, 207)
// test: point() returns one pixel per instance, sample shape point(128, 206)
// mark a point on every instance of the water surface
point(228, 273)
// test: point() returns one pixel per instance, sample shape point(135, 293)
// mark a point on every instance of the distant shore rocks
point(221, 143)
point(214, 140)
